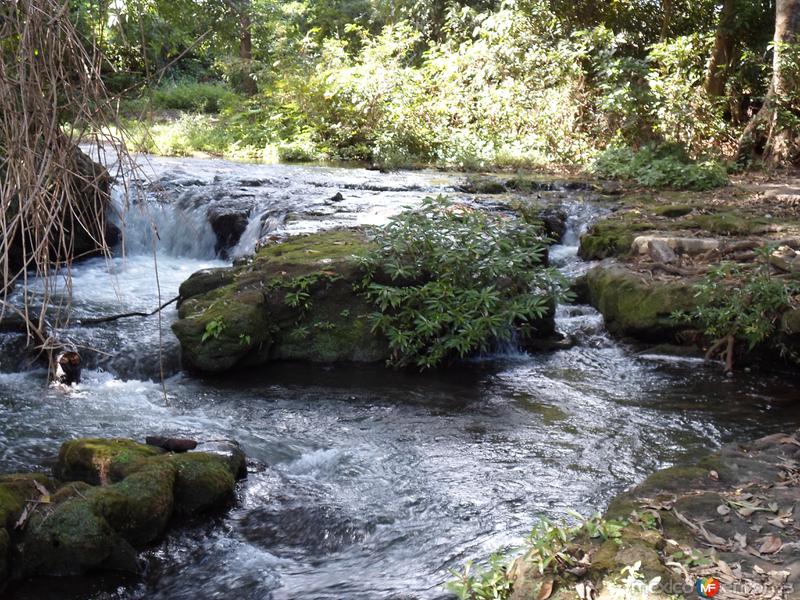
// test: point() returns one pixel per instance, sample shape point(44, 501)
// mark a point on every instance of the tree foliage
point(460, 83)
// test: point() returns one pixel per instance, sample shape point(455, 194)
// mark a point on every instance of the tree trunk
point(767, 134)
point(667, 13)
point(722, 54)
point(247, 83)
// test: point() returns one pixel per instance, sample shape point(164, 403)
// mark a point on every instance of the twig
point(108, 319)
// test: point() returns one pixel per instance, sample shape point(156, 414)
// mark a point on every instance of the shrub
point(208, 98)
point(449, 280)
point(660, 166)
point(733, 303)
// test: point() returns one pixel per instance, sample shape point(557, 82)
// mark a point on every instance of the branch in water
point(110, 318)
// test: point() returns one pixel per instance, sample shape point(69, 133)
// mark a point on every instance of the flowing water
point(363, 483)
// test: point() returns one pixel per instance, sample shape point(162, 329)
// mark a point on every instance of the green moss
point(633, 306)
point(244, 326)
point(203, 482)
point(71, 539)
point(673, 211)
point(790, 322)
point(15, 491)
point(205, 281)
point(260, 323)
point(313, 252)
point(100, 461)
point(140, 506)
point(336, 328)
point(70, 490)
point(612, 237)
point(483, 185)
point(727, 223)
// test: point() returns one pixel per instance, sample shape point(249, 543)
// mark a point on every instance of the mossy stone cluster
point(294, 300)
point(110, 498)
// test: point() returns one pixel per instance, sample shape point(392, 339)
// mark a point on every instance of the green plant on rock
point(550, 547)
point(449, 280)
point(213, 330)
point(482, 583)
point(735, 303)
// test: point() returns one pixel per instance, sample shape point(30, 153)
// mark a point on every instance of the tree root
point(724, 347)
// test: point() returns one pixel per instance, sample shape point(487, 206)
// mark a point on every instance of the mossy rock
point(140, 506)
point(790, 322)
point(71, 539)
point(483, 185)
point(123, 497)
point(254, 316)
point(205, 281)
point(220, 331)
point(15, 491)
point(612, 237)
point(634, 307)
point(70, 490)
point(728, 223)
point(101, 461)
point(673, 211)
point(203, 483)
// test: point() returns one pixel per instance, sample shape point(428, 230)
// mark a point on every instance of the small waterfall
point(171, 227)
point(258, 228)
point(579, 216)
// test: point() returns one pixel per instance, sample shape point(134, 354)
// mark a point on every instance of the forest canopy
point(460, 84)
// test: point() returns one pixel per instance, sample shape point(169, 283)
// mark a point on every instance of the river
point(364, 483)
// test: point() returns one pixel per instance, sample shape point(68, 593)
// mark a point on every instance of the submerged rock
point(228, 221)
point(119, 496)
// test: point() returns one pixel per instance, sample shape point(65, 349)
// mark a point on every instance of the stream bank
point(729, 516)
point(669, 259)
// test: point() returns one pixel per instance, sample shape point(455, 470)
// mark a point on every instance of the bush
point(448, 281)
point(660, 166)
point(208, 98)
point(734, 302)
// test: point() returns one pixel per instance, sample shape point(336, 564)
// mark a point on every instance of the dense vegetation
point(462, 83)
point(448, 281)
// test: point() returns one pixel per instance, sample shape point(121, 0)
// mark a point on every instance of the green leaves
point(449, 280)
point(660, 166)
point(733, 300)
point(213, 330)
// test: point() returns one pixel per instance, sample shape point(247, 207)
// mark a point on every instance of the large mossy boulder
point(138, 507)
point(113, 497)
point(295, 300)
point(635, 306)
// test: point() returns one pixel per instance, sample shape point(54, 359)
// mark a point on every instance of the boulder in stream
point(633, 305)
point(295, 300)
point(111, 498)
